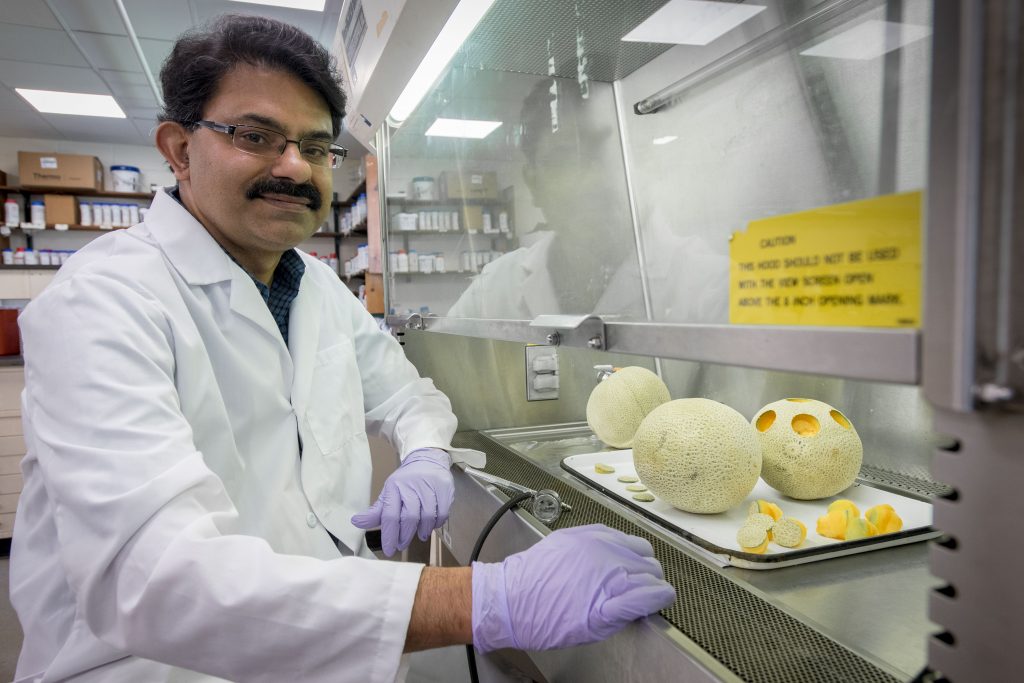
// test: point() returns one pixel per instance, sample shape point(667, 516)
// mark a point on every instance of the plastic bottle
point(12, 213)
point(38, 215)
point(439, 263)
point(332, 261)
point(31, 257)
point(8, 257)
point(414, 261)
point(133, 214)
point(85, 213)
point(403, 262)
point(19, 256)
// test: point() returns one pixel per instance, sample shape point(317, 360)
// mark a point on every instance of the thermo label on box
point(855, 264)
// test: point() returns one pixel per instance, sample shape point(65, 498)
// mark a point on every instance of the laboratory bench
point(860, 617)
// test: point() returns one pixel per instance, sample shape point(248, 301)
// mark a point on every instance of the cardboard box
point(45, 170)
point(61, 208)
point(469, 185)
point(472, 219)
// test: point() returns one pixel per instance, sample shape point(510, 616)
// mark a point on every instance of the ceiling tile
point(51, 77)
point(28, 13)
point(310, 22)
point(27, 124)
point(150, 18)
point(117, 78)
point(41, 45)
point(109, 52)
point(93, 128)
point(145, 128)
point(156, 52)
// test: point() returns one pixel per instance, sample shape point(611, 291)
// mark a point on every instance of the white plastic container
point(426, 263)
point(85, 213)
point(414, 261)
point(133, 214)
point(19, 257)
point(38, 216)
point(8, 257)
point(422, 187)
point(31, 257)
point(439, 263)
point(125, 178)
point(44, 257)
point(12, 213)
point(406, 221)
point(503, 221)
point(105, 216)
point(402, 265)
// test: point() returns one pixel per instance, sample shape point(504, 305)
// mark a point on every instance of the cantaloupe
point(789, 532)
point(810, 449)
point(619, 404)
point(697, 455)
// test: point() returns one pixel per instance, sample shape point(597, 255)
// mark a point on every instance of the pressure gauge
point(547, 506)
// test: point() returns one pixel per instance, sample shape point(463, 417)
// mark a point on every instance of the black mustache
point(274, 186)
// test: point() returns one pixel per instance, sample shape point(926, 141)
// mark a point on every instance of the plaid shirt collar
point(284, 286)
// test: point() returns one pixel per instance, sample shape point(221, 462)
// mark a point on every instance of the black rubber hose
point(511, 503)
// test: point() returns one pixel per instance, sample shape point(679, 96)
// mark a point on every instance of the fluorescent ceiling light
point(692, 22)
point(462, 128)
point(665, 140)
point(313, 5)
point(460, 24)
point(868, 40)
point(55, 102)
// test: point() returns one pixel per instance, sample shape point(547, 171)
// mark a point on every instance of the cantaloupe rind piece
point(765, 507)
point(752, 539)
point(789, 532)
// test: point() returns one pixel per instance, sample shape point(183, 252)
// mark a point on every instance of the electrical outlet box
point(541, 373)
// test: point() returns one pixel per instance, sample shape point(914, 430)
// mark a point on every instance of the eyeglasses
point(269, 143)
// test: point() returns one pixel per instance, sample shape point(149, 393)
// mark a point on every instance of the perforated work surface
point(903, 481)
point(754, 639)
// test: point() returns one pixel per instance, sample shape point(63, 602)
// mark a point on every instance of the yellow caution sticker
point(856, 264)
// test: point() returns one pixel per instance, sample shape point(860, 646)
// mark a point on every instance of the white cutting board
point(717, 533)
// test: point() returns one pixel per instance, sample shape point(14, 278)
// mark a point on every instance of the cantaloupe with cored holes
point(810, 450)
point(697, 455)
point(619, 404)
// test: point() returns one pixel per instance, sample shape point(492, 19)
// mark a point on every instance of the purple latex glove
point(415, 500)
point(576, 586)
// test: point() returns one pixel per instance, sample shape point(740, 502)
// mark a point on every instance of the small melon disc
point(644, 497)
point(637, 488)
point(626, 479)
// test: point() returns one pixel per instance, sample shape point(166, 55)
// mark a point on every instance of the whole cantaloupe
point(619, 404)
point(810, 449)
point(697, 455)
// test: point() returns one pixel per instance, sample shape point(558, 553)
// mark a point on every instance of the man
point(197, 399)
point(583, 259)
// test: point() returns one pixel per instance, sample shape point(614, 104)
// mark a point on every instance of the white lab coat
point(689, 283)
point(168, 524)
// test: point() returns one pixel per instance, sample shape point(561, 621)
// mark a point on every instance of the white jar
point(422, 188)
point(38, 213)
point(439, 263)
point(106, 216)
point(85, 213)
point(133, 214)
point(44, 257)
point(125, 178)
point(31, 257)
point(12, 213)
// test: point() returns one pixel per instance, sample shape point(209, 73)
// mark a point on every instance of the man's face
point(254, 203)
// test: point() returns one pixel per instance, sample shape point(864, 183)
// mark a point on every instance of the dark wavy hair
point(191, 73)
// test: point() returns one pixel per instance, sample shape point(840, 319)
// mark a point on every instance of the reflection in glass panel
point(531, 218)
point(835, 113)
point(533, 215)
